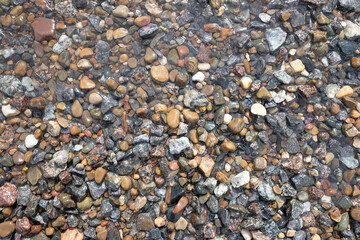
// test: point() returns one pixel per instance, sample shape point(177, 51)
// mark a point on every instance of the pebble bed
point(179, 119)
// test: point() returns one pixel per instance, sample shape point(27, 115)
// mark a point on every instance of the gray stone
point(240, 179)
point(266, 191)
point(176, 146)
point(106, 208)
point(350, 5)
point(275, 37)
point(95, 22)
point(143, 138)
point(10, 86)
point(283, 77)
point(63, 43)
point(213, 204)
point(27, 83)
point(96, 190)
point(23, 195)
point(142, 150)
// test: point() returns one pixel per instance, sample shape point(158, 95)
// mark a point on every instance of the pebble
point(173, 118)
point(240, 179)
point(76, 109)
point(160, 73)
point(121, 11)
point(6, 228)
point(190, 116)
point(258, 109)
point(245, 82)
point(86, 83)
point(206, 165)
point(44, 29)
point(31, 141)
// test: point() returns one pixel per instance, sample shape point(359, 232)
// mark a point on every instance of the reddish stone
point(97, 154)
point(158, 151)
point(146, 173)
point(23, 225)
point(43, 4)
point(183, 202)
point(8, 195)
point(159, 181)
point(38, 103)
point(294, 164)
point(282, 54)
point(142, 21)
point(315, 193)
point(239, 71)
point(211, 27)
point(331, 191)
point(204, 54)
point(254, 208)
point(65, 177)
point(20, 103)
point(35, 229)
point(72, 234)
point(307, 91)
point(8, 134)
point(44, 29)
point(183, 51)
point(308, 219)
point(173, 165)
point(209, 230)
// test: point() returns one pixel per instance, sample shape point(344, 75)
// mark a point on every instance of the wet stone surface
point(192, 119)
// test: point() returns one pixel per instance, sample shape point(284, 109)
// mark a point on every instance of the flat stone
point(191, 116)
point(283, 77)
point(345, 91)
point(33, 175)
point(76, 109)
point(72, 234)
point(240, 179)
point(120, 33)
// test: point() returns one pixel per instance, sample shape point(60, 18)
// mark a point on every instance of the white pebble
point(9, 111)
point(30, 141)
point(227, 118)
point(198, 77)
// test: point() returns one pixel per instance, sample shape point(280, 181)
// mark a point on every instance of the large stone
point(72, 234)
point(8, 195)
point(159, 73)
point(10, 86)
point(275, 37)
point(173, 118)
point(176, 146)
point(44, 29)
point(144, 222)
point(121, 11)
point(352, 30)
point(6, 228)
point(240, 179)
point(206, 166)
